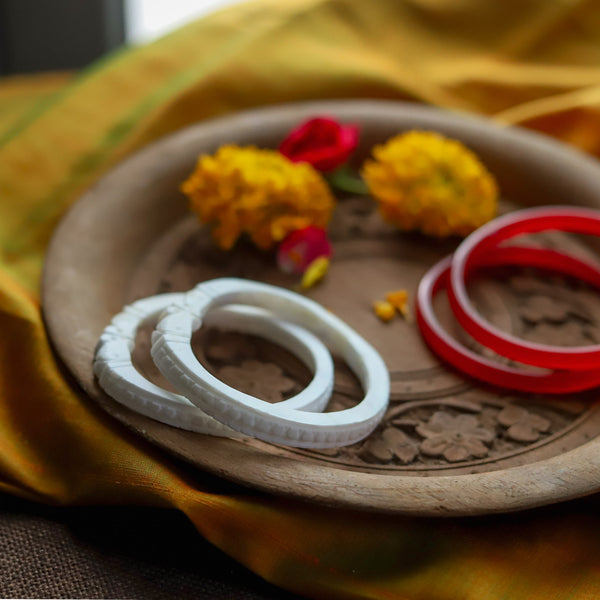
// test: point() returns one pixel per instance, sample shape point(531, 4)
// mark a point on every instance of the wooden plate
point(131, 236)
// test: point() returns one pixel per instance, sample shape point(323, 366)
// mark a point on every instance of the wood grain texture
point(131, 236)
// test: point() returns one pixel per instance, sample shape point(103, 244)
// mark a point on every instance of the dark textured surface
point(48, 552)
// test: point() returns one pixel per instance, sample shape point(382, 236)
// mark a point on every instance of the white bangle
point(122, 381)
point(276, 423)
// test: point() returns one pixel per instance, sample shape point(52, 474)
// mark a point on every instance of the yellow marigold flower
point(256, 192)
point(424, 181)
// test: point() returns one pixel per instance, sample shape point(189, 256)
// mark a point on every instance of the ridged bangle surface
point(122, 381)
point(277, 423)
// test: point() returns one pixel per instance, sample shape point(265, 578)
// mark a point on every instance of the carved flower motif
point(545, 308)
point(229, 346)
point(549, 301)
point(392, 442)
point(567, 334)
point(400, 444)
point(523, 426)
point(454, 438)
point(261, 380)
point(533, 285)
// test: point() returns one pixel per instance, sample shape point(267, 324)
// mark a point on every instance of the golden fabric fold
point(534, 63)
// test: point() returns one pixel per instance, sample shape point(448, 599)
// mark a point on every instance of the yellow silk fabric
point(533, 62)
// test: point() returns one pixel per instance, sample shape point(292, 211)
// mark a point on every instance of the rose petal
point(322, 142)
point(301, 248)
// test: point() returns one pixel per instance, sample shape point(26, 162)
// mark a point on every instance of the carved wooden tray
point(132, 236)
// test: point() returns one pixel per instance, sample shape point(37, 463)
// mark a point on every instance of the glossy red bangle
point(479, 367)
point(486, 238)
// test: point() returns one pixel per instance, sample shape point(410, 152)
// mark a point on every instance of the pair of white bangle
point(276, 314)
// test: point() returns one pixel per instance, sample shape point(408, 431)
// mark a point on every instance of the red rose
point(322, 142)
point(301, 247)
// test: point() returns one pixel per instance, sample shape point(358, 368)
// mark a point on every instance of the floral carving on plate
point(454, 437)
point(434, 434)
point(256, 378)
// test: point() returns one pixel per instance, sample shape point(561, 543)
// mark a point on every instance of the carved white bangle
point(274, 423)
point(122, 381)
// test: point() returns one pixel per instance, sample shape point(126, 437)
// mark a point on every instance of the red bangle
point(479, 367)
point(486, 238)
